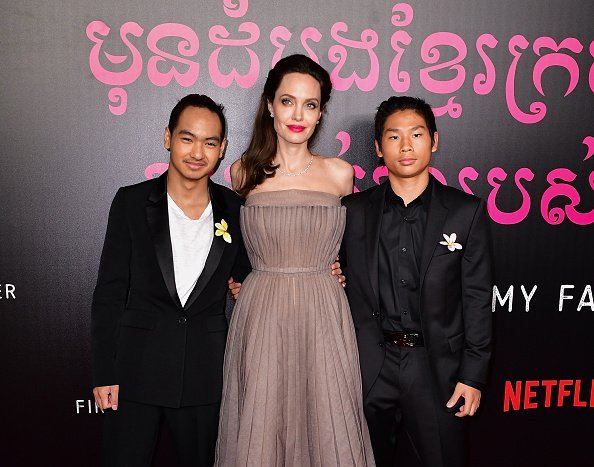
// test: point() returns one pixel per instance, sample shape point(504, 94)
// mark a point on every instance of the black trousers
point(403, 397)
point(130, 434)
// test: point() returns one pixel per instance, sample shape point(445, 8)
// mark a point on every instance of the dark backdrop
point(86, 92)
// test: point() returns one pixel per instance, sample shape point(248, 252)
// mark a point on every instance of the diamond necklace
point(301, 172)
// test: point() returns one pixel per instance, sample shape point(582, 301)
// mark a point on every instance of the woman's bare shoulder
point(236, 174)
point(341, 173)
point(338, 165)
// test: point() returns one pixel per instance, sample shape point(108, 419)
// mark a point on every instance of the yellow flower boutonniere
point(222, 230)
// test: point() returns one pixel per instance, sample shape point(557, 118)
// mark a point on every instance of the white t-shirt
point(191, 240)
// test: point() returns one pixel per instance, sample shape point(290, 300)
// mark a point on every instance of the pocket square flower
point(450, 242)
point(222, 230)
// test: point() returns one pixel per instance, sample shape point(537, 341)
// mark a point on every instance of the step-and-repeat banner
point(87, 88)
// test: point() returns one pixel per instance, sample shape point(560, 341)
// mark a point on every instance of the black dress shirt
point(400, 248)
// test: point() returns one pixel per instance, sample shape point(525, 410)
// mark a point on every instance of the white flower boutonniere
point(222, 230)
point(450, 242)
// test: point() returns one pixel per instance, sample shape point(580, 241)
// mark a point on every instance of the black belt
point(404, 338)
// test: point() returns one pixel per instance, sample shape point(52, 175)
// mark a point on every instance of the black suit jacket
point(456, 287)
point(143, 339)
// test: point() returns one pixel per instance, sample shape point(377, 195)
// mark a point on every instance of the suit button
point(403, 281)
point(182, 320)
point(375, 314)
point(403, 249)
point(381, 345)
point(404, 312)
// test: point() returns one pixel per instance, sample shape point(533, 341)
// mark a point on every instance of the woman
point(292, 384)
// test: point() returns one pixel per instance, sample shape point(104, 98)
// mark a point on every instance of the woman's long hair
point(256, 161)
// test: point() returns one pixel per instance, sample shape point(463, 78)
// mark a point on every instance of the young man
point(417, 259)
point(158, 316)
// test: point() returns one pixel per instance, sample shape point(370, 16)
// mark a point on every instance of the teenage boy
point(158, 315)
point(416, 256)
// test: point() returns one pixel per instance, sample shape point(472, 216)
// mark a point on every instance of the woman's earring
point(271, 114)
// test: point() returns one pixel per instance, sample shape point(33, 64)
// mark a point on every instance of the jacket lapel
point(219, 211)
point(158, 221)
point(436, 218)
point(373, 219)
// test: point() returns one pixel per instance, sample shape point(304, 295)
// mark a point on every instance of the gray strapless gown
point(292, 383)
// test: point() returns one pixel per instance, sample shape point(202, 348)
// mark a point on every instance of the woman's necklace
point(301, 172)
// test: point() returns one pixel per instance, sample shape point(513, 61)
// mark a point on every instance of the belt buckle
point(408, 339)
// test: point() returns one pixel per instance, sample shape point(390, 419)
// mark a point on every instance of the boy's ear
point(167, 139)
point(378, 151)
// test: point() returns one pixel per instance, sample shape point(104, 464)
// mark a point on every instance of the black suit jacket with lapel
point(456, 287)
point(143, 339)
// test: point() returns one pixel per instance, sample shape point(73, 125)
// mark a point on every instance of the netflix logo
point(525, 395)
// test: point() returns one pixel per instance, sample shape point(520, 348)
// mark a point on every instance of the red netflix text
point(525, 395)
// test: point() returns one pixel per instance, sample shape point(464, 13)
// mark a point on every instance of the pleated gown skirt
point(292, 382)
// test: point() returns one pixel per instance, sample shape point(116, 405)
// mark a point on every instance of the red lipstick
point(296, 128)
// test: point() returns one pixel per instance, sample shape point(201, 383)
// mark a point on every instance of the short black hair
point(397, 104)
point(201, 101)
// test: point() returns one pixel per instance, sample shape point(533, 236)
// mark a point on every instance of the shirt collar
point(424, 198)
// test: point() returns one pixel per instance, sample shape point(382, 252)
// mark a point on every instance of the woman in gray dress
point(292, 383)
